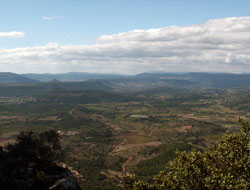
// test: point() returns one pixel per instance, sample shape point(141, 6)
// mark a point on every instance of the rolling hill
point(6, 77)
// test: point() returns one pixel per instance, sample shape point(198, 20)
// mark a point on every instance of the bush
point(27, 163)
point(225, 167)
point(34, 148)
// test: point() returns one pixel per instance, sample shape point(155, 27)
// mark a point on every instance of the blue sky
point(81, 22)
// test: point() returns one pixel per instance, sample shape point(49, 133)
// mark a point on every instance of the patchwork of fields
point(138, 132)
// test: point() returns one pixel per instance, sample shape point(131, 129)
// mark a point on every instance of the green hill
point(11, 78)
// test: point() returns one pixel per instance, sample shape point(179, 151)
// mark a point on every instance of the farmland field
point(137, 132)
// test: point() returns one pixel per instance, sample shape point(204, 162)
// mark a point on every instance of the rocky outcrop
point(43, 177)
point(65, 181)
point(31, 164)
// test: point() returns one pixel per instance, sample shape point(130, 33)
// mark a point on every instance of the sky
point(124, 36)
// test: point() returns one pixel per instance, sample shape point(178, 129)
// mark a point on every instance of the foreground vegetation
point(30, 163)
point(226, 166)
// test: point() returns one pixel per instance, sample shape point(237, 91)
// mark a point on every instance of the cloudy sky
point(124, 36)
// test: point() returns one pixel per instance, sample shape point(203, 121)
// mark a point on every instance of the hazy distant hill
point(136, 82)
point(146, 81)
point(45, 87)
point(71, 76)
point(215, 80)
point(11, 78)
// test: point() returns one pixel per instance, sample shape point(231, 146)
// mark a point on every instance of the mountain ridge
point(139, 81)
point(8, 77)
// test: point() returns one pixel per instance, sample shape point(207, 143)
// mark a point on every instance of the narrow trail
point(125, 164)
point(117, 148)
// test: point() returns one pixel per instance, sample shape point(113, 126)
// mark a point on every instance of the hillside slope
point(11, 78)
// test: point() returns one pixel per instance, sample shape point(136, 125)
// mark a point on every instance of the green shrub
point(225, 167)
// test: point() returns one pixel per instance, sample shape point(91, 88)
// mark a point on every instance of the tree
point(29, 163)
point(226, 166)
point(34, 148)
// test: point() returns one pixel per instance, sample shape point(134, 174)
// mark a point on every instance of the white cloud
point(47, 18)
point(12, 34)
point(220, 45)
point(51, 17)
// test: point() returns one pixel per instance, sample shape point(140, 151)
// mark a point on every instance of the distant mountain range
point(214, 80)
point(136, 82)
point(71, 76)
point(11, 78)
